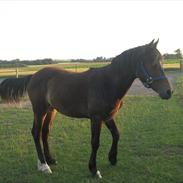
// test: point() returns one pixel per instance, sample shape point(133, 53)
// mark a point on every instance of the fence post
point(181, 65)
point(76, 67)
point(17, 72)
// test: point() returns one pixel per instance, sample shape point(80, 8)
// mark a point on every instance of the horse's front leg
point(115, 136)
point(95, 138)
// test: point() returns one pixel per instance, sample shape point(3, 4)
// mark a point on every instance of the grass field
point(150, 147)
point(171, 61)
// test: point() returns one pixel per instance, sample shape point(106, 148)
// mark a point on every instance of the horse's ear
point(155, 44)
point(151, 43)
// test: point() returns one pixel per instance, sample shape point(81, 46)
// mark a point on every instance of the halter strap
point(148, 78)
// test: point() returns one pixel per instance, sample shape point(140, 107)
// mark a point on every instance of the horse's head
point(150, 71)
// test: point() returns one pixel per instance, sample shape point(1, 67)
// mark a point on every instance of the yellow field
point(12, 72)
point(77, 67)
point(171, 66)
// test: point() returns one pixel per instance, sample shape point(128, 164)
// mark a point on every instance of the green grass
point(171, 61)
point(150, 147)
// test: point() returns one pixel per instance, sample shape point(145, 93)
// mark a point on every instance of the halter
point(148, 78)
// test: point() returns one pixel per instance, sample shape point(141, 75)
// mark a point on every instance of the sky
point(86, 29)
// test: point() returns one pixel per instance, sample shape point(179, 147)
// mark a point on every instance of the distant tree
point(178, 53)
point(99, 59)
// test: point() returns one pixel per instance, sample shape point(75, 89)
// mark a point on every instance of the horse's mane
point(128, 54)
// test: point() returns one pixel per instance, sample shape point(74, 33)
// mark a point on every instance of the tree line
point(97, 59)
point(23, 63)
point(176, 55)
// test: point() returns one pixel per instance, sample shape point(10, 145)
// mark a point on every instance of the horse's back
point(53, 74)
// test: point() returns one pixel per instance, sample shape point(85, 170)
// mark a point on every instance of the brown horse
point(96, 94)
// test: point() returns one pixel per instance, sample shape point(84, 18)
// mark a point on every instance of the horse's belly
point(70, 103)
point(73, 110)
point(74, 114)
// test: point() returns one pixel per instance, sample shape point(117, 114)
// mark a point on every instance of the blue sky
point(86, 29)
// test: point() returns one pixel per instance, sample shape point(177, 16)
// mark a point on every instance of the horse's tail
point(12, 89)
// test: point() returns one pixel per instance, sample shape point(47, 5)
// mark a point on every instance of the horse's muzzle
point(166, 95)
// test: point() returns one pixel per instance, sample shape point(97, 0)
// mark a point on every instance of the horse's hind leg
point(115, 136)
point(39, 116)
point(45, 132)
point(36, 132)
point(95, 137)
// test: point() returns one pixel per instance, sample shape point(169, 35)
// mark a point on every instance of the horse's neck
point(123, 73)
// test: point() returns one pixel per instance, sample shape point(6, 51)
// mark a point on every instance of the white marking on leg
point(43, 167)
point(99, 174)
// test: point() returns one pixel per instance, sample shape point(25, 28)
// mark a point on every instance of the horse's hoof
point(96, 174)
point(52, 162)
point(113, 160)
point(43, 167)
point(99, 174)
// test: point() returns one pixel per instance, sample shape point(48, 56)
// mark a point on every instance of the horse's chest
point(116, 107)
point(113, 109)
